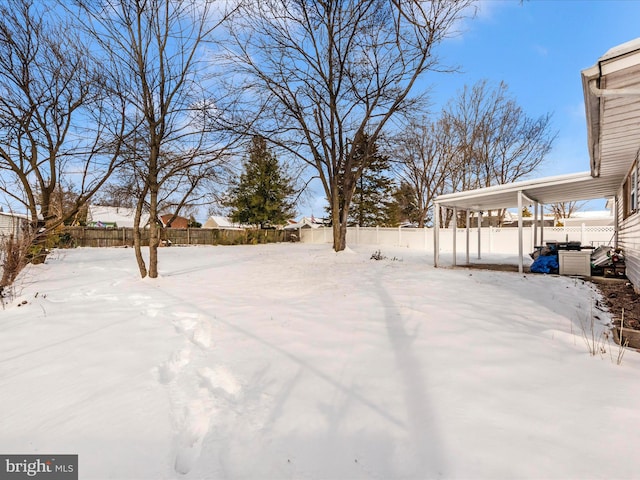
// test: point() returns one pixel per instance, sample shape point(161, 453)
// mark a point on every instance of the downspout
point(616, 221)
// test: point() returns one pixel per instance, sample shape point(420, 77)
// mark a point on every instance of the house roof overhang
point(612, 105)
point(561, 188)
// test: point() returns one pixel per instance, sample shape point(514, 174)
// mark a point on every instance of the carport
point(537, 193)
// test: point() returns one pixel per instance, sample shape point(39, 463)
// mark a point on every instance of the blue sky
point(538, 48)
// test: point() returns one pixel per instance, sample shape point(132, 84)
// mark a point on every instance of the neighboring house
point(601, 218)
point(306, 222)
point(12, 224)
point(510, 219)
point(178, 222)
point(102, 216)
point(611, 91)
point(222, 223)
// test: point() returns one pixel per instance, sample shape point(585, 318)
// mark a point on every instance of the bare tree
point(426, 161)
point(333, 72)
point(497, 142)
point(562, 210)
point(156, 48)
point(57, 121)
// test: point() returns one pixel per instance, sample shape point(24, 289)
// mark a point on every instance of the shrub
point(15, 254)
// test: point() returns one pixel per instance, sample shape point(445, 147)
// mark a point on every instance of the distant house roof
point(589, 219)
point(121, 216)
point(222, 222)
point(178, 222)
point(306, 222)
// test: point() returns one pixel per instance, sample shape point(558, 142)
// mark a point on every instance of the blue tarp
point(545, 264)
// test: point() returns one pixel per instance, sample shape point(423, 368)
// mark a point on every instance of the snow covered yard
point(292, 361)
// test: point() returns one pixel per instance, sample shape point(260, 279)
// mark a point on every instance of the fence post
point(490, 239)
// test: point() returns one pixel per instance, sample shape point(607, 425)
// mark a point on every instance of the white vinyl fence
point(492, 240)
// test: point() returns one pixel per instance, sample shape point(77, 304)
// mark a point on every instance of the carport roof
point(561, 188)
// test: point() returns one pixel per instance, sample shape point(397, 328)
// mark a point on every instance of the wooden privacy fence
point(119, 237)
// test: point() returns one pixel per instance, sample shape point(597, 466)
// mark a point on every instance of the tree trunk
point(339, 237)
point(137, 240)
point(154, 233)
point(342, 238)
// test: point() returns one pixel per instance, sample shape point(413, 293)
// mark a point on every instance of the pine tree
point(404, 207)
point(263, 194)
point(373, 193)
point(372, 197)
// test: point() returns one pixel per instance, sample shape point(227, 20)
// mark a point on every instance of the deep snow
point(292, 361)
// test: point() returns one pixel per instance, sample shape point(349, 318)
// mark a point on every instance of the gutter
point(612, 92)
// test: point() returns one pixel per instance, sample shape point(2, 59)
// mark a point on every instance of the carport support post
point(436, 234)
point(467, 225)
point(455, 230)
point(541, 224)
point(535, 224)
point(479, 234)
point(520, 265)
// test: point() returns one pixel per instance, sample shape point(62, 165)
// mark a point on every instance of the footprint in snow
point(169, 369)
point(196, 329)
point(138, 299)
point(196, 426)
point(216, 383)
point(219, 380)
point(154, 309)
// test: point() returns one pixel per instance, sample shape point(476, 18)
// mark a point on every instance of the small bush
point(377, 255)
point(15, 254)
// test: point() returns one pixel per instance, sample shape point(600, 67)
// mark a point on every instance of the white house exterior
point(121, 216)
point(306, 222)
point(599, 218)
point(12, 224)
point(222, 223)
point(612, 102)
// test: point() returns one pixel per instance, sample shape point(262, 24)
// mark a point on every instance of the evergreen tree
point(371, 204)
point(404, 207)
point(373, 192)
point(263, 194)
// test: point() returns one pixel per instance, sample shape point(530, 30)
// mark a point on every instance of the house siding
point(629, 241)
point(10, 224)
